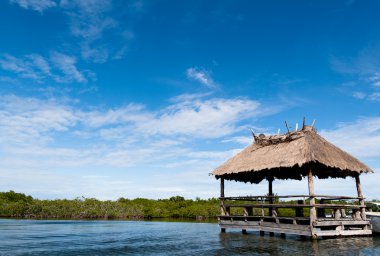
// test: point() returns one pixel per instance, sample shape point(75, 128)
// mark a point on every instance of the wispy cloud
point(59, 67)
point(55, 139)
point(372, 96)
point(201, 76)
point(361, 137)
point(22, 67)
point(363, 70)
point(23, 118)
point(209, 118)
point(36, 5)
point(88, 22)
point(67, 65)
point(47, 134)
point(88, 17)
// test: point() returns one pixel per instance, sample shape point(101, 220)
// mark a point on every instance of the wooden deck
point(335, 216)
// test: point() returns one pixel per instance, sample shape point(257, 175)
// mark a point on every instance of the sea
point(96, 237)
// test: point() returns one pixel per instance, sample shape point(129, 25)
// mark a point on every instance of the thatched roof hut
point(290, 156)
point(293, 155)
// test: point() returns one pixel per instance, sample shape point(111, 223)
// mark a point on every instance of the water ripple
point(33, 237)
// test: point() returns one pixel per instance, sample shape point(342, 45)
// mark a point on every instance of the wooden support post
point(270, 194)
point(313, 213)
point(299, 210)
point(221, 187)
point(222, 207)
point(337, 214)
point(321, 213)
point(360, 194)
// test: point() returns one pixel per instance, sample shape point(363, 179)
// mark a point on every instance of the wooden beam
point(288, 205)
point(360, 195)
point(255, 198)
point(313, 214)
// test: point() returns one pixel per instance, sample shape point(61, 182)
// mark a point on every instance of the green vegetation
point(19, 205)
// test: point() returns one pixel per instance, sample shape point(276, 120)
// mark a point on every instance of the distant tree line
point(19, 205)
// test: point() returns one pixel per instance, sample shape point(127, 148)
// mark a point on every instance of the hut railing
point(327, 207)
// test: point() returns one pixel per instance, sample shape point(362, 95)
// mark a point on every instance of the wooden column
point(360, 194)
point(299, 210)
point(270, 194)
point(313, 213)
point(222, 207)
point(221, 187)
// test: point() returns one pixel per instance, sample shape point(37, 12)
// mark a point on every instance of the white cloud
point(201, 76)
point(359, 95)
point(66, 64)
point(126, 151)
point(40, 63)
point(55, 137)
point(363, 70)
point(360, 138)
point(59, 67)
point(36, 5)
point(243, 140)
point(89, 20)
point(209, 118)
point(23, 67)
point(29, 121)
point(374, 96)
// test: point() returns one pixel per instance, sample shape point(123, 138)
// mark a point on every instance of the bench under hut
point(295, 155)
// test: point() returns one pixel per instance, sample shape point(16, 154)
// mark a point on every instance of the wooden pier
point(257, 213)
point(295, 155)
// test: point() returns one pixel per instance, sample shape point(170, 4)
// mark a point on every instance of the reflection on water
point(31, 237)
point(254, 244)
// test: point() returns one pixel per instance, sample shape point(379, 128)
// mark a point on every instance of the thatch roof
point(290, 156)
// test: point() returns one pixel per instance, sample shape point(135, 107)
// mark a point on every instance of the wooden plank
point(286, 231)
point(290, 229)
point(331, 197)
point(322, 206)
point(342, 232)
point(283, 226)
point(336, 197)
point(346, 206)
point(340, 222)
point(240, 223)
point(262, 217)
point(247, 198)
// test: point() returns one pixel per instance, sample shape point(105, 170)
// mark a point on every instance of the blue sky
point(112, 99)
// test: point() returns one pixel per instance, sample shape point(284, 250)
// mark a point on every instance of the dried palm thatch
point(290, 156)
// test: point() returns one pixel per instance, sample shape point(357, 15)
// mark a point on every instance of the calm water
point(31, 237)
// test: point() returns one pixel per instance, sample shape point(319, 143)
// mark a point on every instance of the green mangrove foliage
point(19, 205)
